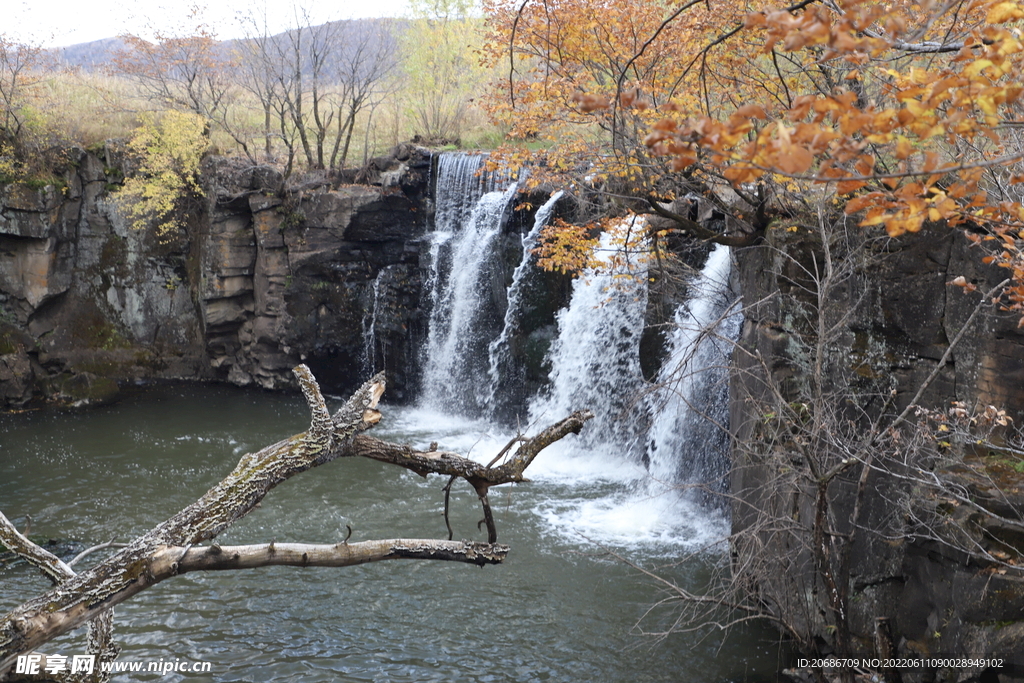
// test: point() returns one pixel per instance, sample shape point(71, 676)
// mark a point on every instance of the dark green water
point(557, 610)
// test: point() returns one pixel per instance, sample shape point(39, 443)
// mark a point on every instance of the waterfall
point(595, 364)
point(595, 360)
point(461, 182)
point(468, 221)
point(380, 327)
point(688, 438)
point(370, 328)
point(628, 464)
point(500, 373)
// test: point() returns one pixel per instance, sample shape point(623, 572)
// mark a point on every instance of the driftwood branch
point(49, 564)
point(453, 464)
point(174, 561)
point(172, 548)
point(481, 477)
point(99, 640)
point(96, 548)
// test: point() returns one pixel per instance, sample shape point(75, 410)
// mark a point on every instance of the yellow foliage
point(169, 148)
point(565, 248)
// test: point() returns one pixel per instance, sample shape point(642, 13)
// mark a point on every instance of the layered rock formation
point(921, 560)
point(262, 280)
point(86, 301)
point(311, 277)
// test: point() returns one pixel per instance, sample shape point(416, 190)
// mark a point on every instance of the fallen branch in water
point(172, 547)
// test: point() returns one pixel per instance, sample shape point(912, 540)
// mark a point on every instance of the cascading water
point(689, 438)
point(596, 364)
point(500, 372)
point(595, 360)
point(461, 182)
point(467, 225)
point(380, 326)
point(370, 328)
point(622, 480)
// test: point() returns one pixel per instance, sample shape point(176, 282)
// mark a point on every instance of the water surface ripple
point(558, 610)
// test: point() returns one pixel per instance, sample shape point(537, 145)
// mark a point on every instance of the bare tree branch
point(173, 561)
point(170, 548)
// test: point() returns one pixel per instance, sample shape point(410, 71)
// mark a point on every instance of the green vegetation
point(168, 149)
point(292, 219)
point(442, 59)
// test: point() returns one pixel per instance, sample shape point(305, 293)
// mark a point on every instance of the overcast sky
point(55, 23)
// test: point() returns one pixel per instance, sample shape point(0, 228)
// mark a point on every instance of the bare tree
point(259, 75)
point(364, 71)
point(288, 74)
point(190, 71)
point(172, 548)
point(271, 70)
point(182, 72)
point(23, 68)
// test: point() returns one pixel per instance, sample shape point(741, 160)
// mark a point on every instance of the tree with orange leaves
point(905, 112)
point(807, 116)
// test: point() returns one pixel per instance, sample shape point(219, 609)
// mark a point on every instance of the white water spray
point(689, 431)
point(595, 360)
point(456, 345)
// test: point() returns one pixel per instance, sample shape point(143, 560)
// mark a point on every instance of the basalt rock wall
point(260, 281)
point(894, 315)
point(85, 301)
point(329, 277)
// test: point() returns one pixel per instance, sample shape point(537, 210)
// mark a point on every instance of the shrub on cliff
point(168, 149)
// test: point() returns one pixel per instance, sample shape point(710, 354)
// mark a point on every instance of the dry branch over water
point(172, 547)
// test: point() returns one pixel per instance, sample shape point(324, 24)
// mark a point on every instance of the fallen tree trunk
point(175, 561)
point(171, 548)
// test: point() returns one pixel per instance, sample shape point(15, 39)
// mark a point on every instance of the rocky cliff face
point(319, 278)
point(260, 283)
point(85, 302)
point(921, 561)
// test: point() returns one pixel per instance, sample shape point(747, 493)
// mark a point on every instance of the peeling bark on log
point(55, 569)
point(174, 561)
point(171, 548)
point(99, 640)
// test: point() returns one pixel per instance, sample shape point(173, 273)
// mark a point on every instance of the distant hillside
point(98, 53)
point(92, 55)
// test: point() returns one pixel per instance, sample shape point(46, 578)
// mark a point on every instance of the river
point(559, 609)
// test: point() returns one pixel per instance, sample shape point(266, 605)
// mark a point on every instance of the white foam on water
point(580, 496)
point(652, 524)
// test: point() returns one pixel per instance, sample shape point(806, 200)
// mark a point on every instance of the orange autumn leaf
point(795, 160)
point(907, 128)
